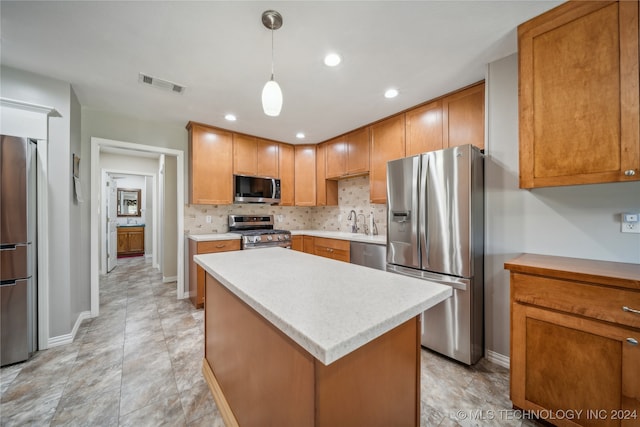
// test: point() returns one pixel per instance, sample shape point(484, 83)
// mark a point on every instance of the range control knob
point(257, 239)
point(269, 238)
point(280, 237)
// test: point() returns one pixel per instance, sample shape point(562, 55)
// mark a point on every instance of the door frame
point(154, 216)
point(96, 209)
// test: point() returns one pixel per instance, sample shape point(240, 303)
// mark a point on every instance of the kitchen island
point(292, 339)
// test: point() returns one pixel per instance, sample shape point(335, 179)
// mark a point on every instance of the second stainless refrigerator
point(436, 232)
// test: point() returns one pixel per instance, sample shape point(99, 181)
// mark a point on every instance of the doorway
point(99, 146)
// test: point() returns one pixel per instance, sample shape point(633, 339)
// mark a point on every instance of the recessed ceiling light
point(300, 135)
point(391, 93)
point(332, 59)
point(230, 117)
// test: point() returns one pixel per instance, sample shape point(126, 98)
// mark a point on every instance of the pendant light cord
point(272, 49)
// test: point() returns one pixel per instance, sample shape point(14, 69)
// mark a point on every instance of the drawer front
point(593, 301)
point(218, 246)
point(342, 245)
point(333, 253)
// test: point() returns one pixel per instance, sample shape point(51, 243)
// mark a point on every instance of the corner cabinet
point(210, 165)
point(348, 155)
point(327, 190)
point(575, 329)
point(579, 95)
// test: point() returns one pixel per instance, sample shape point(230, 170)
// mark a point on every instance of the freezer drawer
point(455, 327)
point(15, 261)
point(14, 344)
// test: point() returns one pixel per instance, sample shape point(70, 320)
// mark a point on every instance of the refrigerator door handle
point(423, 241)
point(8, 282)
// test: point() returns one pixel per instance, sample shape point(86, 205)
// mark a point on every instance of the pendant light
point(271, 93)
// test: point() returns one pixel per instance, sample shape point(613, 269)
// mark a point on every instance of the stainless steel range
point(257, 232)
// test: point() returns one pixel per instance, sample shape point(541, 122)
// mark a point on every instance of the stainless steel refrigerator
point(18, 313)
point(436, 232)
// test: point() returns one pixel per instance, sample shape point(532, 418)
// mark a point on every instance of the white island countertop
point(328, 307)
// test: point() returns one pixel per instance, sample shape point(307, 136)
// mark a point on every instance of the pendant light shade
point(272, 98)
point(271, 93)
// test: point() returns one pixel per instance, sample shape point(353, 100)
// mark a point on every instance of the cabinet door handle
point(632, 341)
point(630, 172)
point(630, 310)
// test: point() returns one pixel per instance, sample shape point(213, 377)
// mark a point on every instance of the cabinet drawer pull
point(222, 245)
point(630, 310)
point(630, 172)
point(632, 341)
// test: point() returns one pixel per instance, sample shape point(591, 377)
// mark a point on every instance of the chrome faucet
point(353, 216)
point(364, 224)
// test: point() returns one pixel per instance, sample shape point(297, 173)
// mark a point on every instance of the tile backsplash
point(353, 193)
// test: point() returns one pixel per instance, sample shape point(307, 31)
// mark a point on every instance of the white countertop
point(213, 236)
point(354, 237)
point(328, 307)
point(378, 240)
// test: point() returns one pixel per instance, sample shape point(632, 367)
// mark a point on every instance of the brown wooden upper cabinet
point(424, 128)
point(387, 143)
point(305, 175)
point(327, 191)
point(579, 114)
point(463, 117)
point(286, 163)
point(255, 156)
point(210, 165)
point(348, 155)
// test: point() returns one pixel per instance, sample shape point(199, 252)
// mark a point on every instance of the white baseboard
point(497, 358)
point(169, 279)
point(68, 338)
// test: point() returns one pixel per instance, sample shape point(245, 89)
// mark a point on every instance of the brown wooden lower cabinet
point(196, 273)
point(130, 241)
point(308, 244)
point(260, 377)
point(332, 248)
point(297, 243)
point(574, 340)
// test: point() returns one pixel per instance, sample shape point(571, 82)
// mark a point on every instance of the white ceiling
point(221, 52)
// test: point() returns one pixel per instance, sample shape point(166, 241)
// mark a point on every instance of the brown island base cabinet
point(268, 379)
point(329, 248)
point(130, 241)
point(196, 273)
point(575, 329)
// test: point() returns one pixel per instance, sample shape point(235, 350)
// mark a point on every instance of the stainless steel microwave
point(252, 189)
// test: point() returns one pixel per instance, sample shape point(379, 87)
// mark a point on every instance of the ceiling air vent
point(160, 83)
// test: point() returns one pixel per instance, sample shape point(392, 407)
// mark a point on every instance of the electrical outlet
point(208, 219)
point(630, 223)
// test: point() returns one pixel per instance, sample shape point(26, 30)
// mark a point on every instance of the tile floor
point(139, 364)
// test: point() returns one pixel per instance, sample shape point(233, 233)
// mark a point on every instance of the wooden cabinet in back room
point(579, 101)
point(210, 165)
